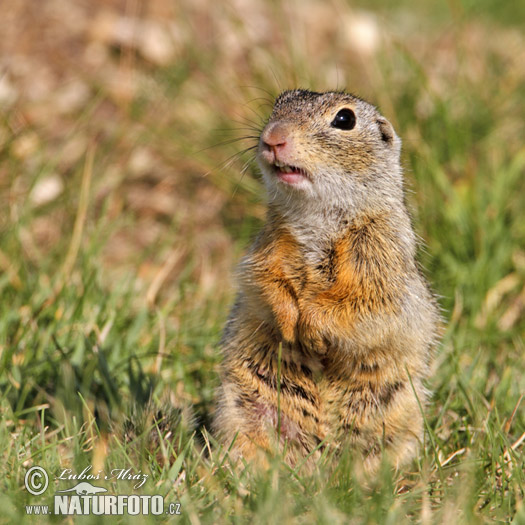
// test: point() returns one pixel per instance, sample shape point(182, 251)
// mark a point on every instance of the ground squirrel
point(331, 285)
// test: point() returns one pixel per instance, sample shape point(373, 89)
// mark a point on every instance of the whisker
point(243, 171)
point(257, 125)
point(229, 130)
point(276, 79)
point(269, 93)
point(244, 128)
point(259, 116)
point(266, 100)
point(229, 161)
point(228, 141)
point(257, 129)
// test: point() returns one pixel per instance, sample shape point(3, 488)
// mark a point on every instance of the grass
point(116, 288)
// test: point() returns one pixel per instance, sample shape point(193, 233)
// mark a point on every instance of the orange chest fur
point(352, 269)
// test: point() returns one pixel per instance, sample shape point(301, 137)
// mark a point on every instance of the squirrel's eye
point(345, 119)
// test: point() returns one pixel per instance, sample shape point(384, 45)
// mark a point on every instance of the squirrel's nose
point(275, 136)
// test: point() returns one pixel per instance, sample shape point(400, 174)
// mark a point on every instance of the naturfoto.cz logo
point(85, 498)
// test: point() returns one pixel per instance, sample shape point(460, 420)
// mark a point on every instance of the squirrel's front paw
point(287, 332)
point(311, 336)
point(287, 324)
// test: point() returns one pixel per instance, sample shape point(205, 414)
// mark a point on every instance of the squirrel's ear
point(387, 131)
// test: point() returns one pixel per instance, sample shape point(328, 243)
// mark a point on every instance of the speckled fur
point(333, 278)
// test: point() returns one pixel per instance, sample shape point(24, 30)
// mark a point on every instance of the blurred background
point(165, 93)
point(128, 197)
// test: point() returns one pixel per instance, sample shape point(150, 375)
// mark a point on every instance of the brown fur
point(332, 279)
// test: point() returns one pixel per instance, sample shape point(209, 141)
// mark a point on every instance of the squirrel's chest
point(306, 266)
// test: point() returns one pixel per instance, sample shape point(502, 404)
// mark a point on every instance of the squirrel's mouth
point(290, 175)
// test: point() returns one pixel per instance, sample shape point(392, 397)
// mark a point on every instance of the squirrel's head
point(331, 149)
